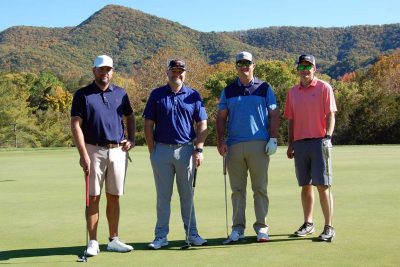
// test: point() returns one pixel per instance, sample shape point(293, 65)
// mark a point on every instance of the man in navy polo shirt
point(253, 125)
point(98, 131)
point(175, 147)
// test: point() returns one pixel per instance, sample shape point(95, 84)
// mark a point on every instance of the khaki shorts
point(109, 165)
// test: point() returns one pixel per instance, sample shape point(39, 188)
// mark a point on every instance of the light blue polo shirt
point(247, 110)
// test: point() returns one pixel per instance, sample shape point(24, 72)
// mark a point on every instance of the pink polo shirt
point(308, 107)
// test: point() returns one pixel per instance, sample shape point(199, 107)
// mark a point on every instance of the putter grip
point(87, 189)
point(224, 164)
point(194, 177)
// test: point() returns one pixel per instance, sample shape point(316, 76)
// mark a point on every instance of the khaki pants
point(243, 158)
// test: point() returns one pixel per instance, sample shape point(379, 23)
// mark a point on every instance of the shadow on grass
point(216, 243)
point(1, 181)
point(40, 252)
point(213, 243)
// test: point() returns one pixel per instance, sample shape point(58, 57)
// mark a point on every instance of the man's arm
point(149, 134)
point(290, 152)
point(131, 130)
point(274, 123)
point(201, 134)
point(330, 123)
point(222, 117)
point(77, 134)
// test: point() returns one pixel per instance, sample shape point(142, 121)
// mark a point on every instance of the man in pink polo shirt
point(310, 109)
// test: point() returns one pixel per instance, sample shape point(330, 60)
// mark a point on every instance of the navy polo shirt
point(101, 112)
point(174, 114)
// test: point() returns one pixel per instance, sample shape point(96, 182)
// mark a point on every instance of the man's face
point(245, 68)
point(103, 75)
point(306, 70)
point(176, 76)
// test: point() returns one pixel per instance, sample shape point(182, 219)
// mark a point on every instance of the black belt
point(309, 139)
point(178, 145)
point(109, 145)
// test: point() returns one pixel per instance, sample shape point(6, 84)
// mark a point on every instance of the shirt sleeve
point(127, 108)
point(78, 105)
point(288, 107)
point(150, 108)
point(200, 111)
point(271, 99)
point(222, 105)
point(330, 105)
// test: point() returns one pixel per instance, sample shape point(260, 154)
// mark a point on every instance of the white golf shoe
point(117, 245)
point(92, 248)
point(262, 235)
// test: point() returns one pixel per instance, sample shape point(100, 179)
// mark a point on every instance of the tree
point(17, 128)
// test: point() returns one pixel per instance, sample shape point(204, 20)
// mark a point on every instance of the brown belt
point(110, 145)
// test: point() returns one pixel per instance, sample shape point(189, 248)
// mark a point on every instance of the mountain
point(131, 36)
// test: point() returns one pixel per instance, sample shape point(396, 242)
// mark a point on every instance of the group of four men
point(175, 129)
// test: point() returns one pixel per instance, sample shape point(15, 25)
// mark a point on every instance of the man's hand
point(327, 147)
point(85, 164)
point(128, 145)
point(272, 146)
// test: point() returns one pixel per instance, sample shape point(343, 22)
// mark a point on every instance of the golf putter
point(226, 198)
point(188, 245)
point(84, 256)
point(328, 167)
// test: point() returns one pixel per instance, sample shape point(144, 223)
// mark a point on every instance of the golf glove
point(271, 147)
point(327, 147)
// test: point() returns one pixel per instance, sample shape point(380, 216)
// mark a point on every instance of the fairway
point(42, 205)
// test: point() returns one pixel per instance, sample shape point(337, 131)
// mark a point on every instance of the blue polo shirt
point(101, 112)
point(174, 114)
point(247, 110)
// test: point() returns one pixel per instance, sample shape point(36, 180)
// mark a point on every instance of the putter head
point(186, 246)
point(83, 258)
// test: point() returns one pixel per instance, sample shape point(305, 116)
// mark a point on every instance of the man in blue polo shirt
point(253, 124)
point(98, 131)
point(175, 147)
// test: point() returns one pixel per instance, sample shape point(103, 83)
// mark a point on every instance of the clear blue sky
point(209, 15)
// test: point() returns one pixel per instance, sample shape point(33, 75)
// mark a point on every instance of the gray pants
point(166, 161)
point(243, 158)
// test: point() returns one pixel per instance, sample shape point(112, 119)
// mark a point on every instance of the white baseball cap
point(102, 61)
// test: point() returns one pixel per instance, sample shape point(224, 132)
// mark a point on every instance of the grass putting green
point(42, 207)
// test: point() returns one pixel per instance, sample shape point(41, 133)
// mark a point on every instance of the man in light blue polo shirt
point(249, 107)
point(175, 147)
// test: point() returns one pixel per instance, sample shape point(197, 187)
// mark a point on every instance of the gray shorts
point(313, 166)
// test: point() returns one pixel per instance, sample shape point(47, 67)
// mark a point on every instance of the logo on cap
point(307, 58)
point(176, 64)
point(244, 56)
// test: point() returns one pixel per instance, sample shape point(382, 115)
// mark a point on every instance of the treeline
point(34, 108)
point(132, 37)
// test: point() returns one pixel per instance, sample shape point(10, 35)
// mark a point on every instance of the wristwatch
point(327, 136)
point(200, 150)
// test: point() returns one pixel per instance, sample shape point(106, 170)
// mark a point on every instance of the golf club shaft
point(191, 209)
point(328, 166)
point(86, 209)
point(226, 198)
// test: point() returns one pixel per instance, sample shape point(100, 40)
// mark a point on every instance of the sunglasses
point(305, 67)
point(241, 64)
